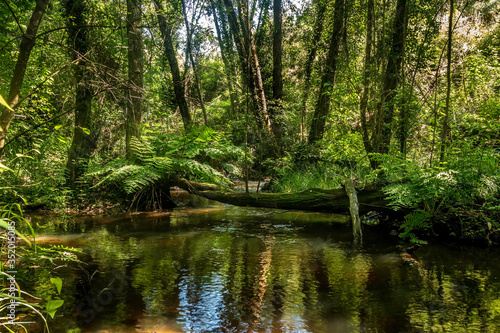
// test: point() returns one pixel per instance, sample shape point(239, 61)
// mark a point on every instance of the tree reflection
point(196, 275)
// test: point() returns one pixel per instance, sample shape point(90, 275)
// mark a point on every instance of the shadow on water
point(218, 268)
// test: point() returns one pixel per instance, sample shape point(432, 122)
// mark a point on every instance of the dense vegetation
point(107, 104)
point(110, 102)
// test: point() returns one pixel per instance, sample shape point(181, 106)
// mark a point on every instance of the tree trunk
point(260, 88)
point(354, 210)
point(84, 137)
point(318, 30)
point(189, 50)
point(391, 80)
point(367, 77)
point(243, 55)
point(247, 53)
point(316, 200)
point(135, 73)
point(225, 52)
point(27, 43)
point(446, 129)
point(277, 109)
point(327, 81)
point(257, 76)
point(169, 51)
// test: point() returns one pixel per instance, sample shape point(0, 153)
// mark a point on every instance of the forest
point(386, 112)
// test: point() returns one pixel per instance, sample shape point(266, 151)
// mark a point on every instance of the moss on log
point(315, 199)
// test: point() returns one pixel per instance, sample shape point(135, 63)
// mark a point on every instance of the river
point(208, 267)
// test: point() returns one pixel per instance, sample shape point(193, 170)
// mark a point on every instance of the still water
point(217, 268)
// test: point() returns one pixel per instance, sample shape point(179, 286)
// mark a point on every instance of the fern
point(417, 220)
point(141, 151)
point(202, 155)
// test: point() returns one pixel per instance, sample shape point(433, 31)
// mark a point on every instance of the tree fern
point(202, 155)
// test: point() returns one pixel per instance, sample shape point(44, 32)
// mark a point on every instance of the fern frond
point(141, 149)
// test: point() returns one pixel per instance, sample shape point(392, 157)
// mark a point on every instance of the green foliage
point(415, 221)
point(12, 220)
point(307, 166)
point(470, 176)
point(202, 154)
point(4, 103)
point(58, 283)
point(289, 179)
point(52, 306)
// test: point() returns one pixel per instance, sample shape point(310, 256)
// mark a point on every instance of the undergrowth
point(468, 181)
point(201, 154)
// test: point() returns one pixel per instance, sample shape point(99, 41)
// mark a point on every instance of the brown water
point(230, 269)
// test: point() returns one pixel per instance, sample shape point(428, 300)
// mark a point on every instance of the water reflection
point(227, 269)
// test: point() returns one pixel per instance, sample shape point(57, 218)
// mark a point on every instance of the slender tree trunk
point(27, 43)
point(227, 64)
point(169, 51)
point(367, 77)
point(391, 80)
point(446, 128)
point(327, 81)
point(243, 50)
point(257, 76)
point(135, 72)
point(277, 109)
point(247, 53)
point(261, 22)
point(260, 88)
point(84, 137)
point(189, 50)
point(318, 30)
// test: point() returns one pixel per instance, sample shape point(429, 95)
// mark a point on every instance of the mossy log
point(315, 199)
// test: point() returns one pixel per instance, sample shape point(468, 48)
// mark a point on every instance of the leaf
point(58, 283)
point(5, 225)
point(52, 306)
point(4, 103)
point(57, 127)
point(21, 155)
point(85, 130)
point(5, 167)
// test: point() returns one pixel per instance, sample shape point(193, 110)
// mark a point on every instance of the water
point(219, 268)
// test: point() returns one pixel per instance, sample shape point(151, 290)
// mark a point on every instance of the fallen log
point(315, 199)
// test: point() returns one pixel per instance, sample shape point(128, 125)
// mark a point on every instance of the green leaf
point(5, 225)
point(26, 156)
point(4, 103)
point(52, 306)
point(5, 167)
point(58, 283)
point(57, 127)
point(85, 130)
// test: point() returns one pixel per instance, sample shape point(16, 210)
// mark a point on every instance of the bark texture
point(391, 80)
point(135, 72)
point(350, 189)
point(276, 110)
point(328, 79)
point(446, 128)
point(170, 54)
point(226, 55)
point(367, 76)
point(84, 135)
point(318, 30)
point(189, 50)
